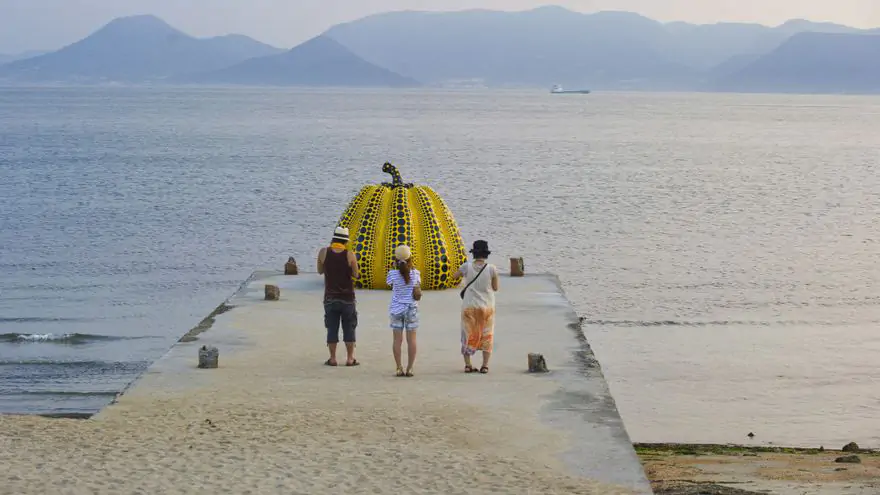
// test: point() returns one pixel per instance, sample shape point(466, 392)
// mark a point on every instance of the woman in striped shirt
point(404, 281)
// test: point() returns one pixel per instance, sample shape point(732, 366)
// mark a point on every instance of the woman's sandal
point(409, 373)
point(400, 372)
point(484, 370)
point(470, 369)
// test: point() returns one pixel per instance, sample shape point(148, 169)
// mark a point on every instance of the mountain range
point(145, 49)
point(536, 48)
point(135, 49)
point(5, 58)
point(320, 61)
point(812, 63)
point(605, 50)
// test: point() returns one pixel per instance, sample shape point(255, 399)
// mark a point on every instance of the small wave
point(46, 362)
point(38, 319)
point(64, 338)
point(665, 323)
point(715, 323)
point(71, 394)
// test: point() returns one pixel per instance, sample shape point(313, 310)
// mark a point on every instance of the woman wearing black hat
point(478, 306)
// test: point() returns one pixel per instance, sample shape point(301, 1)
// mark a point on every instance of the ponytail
point(403, 266)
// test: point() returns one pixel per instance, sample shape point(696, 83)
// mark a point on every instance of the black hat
point(481, 247)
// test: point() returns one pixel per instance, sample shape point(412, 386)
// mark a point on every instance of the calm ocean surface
point(722, 249)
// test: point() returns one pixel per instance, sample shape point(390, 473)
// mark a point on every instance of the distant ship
point(557, 90)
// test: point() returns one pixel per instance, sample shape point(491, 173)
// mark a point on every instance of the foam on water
point(65, 338)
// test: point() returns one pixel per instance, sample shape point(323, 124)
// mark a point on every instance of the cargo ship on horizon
point(558, 90)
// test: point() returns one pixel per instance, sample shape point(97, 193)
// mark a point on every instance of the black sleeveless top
point(338, 284)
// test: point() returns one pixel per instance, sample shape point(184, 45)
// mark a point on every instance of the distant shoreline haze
point(538, 48)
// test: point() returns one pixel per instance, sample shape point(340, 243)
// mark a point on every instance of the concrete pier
point(273, 418)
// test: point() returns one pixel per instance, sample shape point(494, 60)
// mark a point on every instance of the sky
point(51, 24)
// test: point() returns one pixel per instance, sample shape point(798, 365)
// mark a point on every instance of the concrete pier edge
point(192, 334)
point(595, 403)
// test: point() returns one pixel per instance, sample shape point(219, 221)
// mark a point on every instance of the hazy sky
point(49, 24)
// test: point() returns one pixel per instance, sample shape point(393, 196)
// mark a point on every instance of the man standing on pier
point(340, 269)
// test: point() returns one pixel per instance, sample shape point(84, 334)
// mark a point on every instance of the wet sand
point(793, 385)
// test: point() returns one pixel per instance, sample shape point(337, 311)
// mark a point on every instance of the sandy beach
point(273, 419)
point(313, 439)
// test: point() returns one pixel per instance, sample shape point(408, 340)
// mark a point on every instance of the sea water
point(722, 249)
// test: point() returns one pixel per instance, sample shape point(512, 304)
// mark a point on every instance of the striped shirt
point(401, 292)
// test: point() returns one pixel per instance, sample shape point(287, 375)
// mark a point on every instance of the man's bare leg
point(349, 350)
point(332, 348)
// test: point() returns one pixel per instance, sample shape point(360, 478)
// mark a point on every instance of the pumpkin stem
point(396, 179)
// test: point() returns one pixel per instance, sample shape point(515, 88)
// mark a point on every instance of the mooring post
point(273, 293)
point(208, 357)
point(537, 364)
point(517, 267)
point(290, 267)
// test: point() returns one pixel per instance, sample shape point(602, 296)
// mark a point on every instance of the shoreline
point(699, 449)
point(712, 469)
point(671, 468)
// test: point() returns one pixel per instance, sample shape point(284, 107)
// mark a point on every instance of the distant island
point(812, 63)
point(538, 48)
point(6, 58)
point(605, 50)
point(145, 49)
point(134, 50)
point(318, 62)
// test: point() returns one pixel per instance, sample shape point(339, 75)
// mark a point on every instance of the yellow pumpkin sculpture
point(383, 216)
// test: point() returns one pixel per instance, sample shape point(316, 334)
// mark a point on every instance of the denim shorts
point(408, 320)
point(344, 312)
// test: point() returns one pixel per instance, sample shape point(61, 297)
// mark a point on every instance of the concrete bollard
point(290, 267)
point(517, 267)
point(273, 293)
point(208, 357)
point(537, 364)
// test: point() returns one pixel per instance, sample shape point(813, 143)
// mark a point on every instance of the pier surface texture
point(273, 419)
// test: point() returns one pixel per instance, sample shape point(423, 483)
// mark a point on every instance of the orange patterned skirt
point(477, 330)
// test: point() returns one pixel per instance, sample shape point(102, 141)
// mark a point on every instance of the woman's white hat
point(403, 252)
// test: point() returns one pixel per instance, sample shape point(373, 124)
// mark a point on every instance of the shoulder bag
point(472, 281)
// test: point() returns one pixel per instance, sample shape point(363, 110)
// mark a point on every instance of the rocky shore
point(687, 469)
